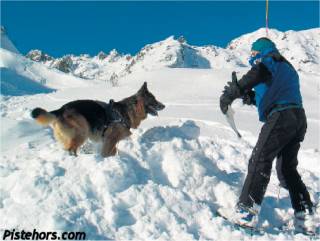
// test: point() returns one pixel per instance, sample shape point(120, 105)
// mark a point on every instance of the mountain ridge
point(177, 53)
point(299, 47)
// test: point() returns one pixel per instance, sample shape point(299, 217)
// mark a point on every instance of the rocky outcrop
point(38, 56)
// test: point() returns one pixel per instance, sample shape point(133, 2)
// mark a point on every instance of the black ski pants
point(280, 137)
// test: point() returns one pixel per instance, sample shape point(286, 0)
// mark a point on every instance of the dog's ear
point(143, 88)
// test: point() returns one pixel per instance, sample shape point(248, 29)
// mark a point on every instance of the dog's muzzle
point(153, 110)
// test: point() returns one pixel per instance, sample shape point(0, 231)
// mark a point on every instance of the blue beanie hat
point(263, 44)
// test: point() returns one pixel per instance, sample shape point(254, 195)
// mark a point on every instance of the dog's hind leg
point(72, 152)
point(75, 143)
point(72, 132)
point(63, 135)
point(80, 136)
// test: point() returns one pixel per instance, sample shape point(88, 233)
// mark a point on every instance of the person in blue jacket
point(272, 84)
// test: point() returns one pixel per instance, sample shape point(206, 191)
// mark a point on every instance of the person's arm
point(256, 75)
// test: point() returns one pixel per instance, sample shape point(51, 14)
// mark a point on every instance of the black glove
point(225, 101)
point(249, 98)
point(230, 93)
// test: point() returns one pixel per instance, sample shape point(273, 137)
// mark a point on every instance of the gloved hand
point(225, 101)
point(249, 98)
point(230, 93)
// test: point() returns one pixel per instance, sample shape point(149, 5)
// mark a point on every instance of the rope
point(267, 19)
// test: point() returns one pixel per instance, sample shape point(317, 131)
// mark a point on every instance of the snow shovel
point(230, 111)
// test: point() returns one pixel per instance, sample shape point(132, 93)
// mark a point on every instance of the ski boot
point(245, 216)
point(305, 221)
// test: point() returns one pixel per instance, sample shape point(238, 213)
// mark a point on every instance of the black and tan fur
point(79, 120)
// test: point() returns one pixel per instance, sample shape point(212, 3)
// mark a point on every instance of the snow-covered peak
point(182, 39)
point(113, 56)
point(101, 55)
point(171, 52)
point(6, 42)
point(245, 41)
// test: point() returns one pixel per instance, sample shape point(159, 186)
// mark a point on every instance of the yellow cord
point(267, 14)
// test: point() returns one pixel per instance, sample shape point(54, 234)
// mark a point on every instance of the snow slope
point(168, 178)
point(21, 76)
point(15, 84)
point(38, 72)
point(12, 83)
point(6, 42)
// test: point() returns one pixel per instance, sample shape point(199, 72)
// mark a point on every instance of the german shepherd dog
point(108, 123)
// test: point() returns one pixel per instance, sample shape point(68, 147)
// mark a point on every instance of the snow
point(168, 178)
point(23, 68)
point(6, 42)
point(178, 53)
point(301, 48)
point(16, 84)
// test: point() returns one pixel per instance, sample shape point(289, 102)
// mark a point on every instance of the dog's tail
point(42, 116)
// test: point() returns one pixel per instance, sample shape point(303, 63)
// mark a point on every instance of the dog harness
point(114, 114)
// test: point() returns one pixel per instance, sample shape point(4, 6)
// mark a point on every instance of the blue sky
point(60, 28)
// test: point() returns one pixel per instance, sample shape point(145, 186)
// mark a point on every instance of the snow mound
point(187, 131)
point(166, 183)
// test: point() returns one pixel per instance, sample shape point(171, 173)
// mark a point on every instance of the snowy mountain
point(20, 75)
point(177, 53)
point(12, 83)
point(301, 48)
point(173, 173)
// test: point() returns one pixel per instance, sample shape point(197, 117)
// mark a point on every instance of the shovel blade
point(230, 120)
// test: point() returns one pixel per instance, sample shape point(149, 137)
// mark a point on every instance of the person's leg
point(304, 220)
point(280, 176)
point(299, 194)
point(274, 135)
point(300, 198)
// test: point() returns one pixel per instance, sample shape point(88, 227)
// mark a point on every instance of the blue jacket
point(275, 82)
